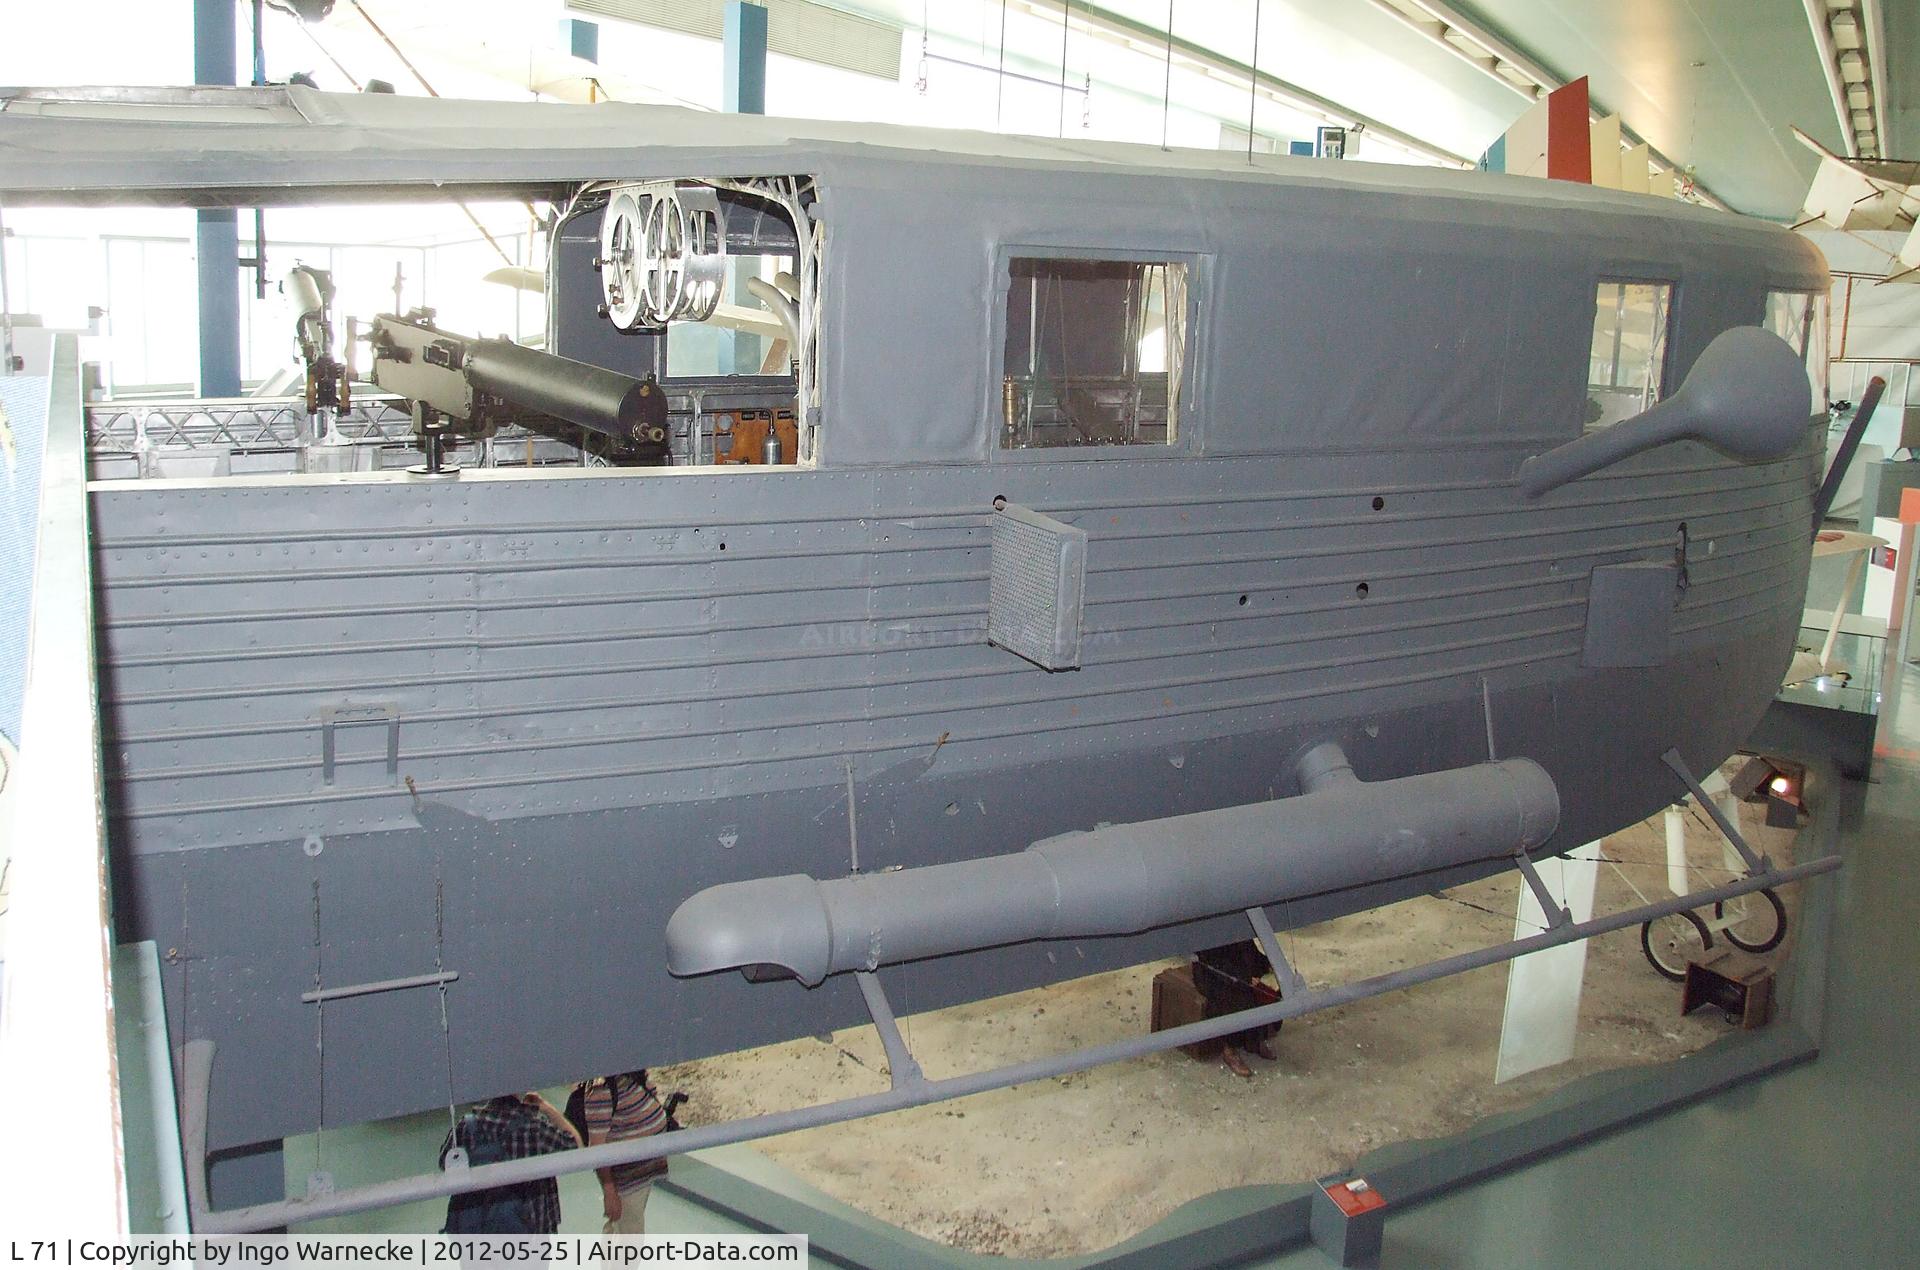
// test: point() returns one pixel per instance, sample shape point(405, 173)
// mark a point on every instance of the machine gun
point(329, 383)
point(473, 385)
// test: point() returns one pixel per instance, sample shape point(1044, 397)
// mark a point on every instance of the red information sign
point(1355, 1197)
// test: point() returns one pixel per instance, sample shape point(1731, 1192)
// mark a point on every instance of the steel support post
point(217, 235)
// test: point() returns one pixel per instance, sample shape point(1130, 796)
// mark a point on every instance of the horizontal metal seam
point(918, 744)
point(548, 743)
point(575, 670)
point(738, 559)
point(967, 517)
point(968, 513)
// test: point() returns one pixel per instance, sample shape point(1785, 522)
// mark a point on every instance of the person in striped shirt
point(618, 1109)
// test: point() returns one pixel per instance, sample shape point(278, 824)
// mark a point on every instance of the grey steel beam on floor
point(432, 1185)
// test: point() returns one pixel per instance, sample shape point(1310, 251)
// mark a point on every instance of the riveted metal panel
point(614, 689)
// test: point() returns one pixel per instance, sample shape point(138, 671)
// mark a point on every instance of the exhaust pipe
point(1340, 833)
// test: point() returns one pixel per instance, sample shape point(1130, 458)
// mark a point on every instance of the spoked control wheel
point(1671, 941)
point(1759, 922)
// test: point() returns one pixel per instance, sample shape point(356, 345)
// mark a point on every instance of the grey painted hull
point(601, 710)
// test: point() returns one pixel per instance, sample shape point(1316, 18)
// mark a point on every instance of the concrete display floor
point(1816, 1166)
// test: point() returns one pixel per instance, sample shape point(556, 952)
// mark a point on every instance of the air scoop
point(1340, 833)
point(1747, 396)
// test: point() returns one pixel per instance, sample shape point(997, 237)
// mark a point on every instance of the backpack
point(576, 1108)
point(498, 1210)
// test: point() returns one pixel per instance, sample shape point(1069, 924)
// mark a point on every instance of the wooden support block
point(1739, 983)
point(1177, 1001)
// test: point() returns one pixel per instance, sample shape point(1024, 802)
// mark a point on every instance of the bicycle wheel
point(1670, 941)
point(1761, 924)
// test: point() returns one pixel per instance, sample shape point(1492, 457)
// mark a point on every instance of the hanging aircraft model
point(1125, 544)
point(1868, 194)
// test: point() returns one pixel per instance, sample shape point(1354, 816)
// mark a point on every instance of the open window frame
point(1800, 316)
point(1660, 360)
point(1186, 364)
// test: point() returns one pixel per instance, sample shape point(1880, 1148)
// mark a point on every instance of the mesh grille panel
point(1038, 587)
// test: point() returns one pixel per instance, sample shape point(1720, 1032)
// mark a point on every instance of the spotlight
point(1776, 783)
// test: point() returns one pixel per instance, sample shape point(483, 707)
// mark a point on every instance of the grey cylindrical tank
point(1341, 833)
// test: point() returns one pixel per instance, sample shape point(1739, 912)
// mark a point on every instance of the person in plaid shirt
point(511, 1127)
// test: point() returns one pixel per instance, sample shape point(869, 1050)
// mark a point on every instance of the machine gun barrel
point(592, 397)
point(471, 379)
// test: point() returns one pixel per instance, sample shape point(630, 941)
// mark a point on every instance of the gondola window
point(1093, 352)
point(1627, 362)
point(1800, 318)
